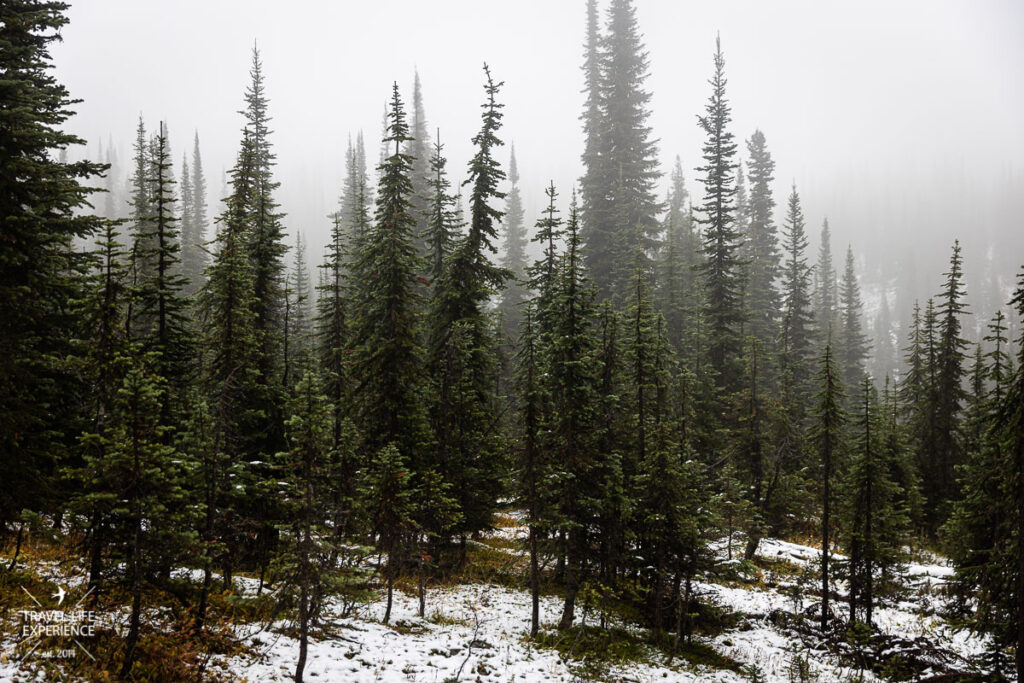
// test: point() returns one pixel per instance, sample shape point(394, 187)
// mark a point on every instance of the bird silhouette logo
point(59, 595)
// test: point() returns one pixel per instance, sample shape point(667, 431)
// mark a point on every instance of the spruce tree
point(387, 495)
point(533, 469)
point(386, 365)
point(461, 355)
point(829, 421)
point(677, 290)
point(514, 257)
point(161, 305)
point(723, 308)
point(194, 256)
point(826, 298)
point(572, 386)
point(620, 160)
point(797, 317)
point(984, 531)
point(297, 333)
point(852, 347)
point(761, 248)
point(444, 221)
point(875, 524)
point(418, 149)
point(949, 395)
point(265, 237)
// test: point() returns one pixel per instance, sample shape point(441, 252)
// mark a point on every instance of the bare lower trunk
point(534, 585)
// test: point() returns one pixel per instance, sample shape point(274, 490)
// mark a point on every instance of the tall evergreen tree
point(159, 291)
point(418, 149)
point(829, 421)
point(194, 256)
point(761, 248)
point(797, 317)
point(949, 394)
point(677, 290)
point(461, 358)
point(826, 297)
point(723, 307)
point(387, 363)
point(852, 349)
point(572, 386)
point(514, 256)
point(619, 202)
point(265, 233)
point(875, 524)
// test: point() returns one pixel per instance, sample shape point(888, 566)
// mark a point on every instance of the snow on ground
point(477, 631)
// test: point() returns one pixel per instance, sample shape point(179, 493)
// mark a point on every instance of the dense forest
point(649, 378)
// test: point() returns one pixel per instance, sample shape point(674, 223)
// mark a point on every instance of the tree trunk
point(534, 585)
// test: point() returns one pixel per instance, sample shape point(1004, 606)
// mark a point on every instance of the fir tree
point(160, 300)
point(949, 395)
point(265, 234)
point(573, 390)
point(875, 527)
point(797, 321)
point(721, 269)
point(194, 256)
point(387, 360)
point(444, 221)
point(761, 249)
point(461, 356)
point(387, 495)
point(514, 257)
point(620, 160)
point(852, 349)
point(306, 560)
point(297, 334)
point(677, 291)
point(418, 149)
point(829, 420)
point(826, 299)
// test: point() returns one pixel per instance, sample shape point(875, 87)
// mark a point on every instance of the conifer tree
point(533, 467)
point(104, 327)
point(387, 495)
point(265, 236)
point(984, 531)
point(160, 300)
point(573, 391)
point(514, 257)
point(152, 533)
point(852, 349)
point(948, 395)
point(797, 320)
point(306, 559)
point(677, 290)
point(826, 298)
point(418, 149)
point(761, 248)
point(444, 221)
point(829, 421)
point(194, 256)
point(875, 525)
point(231, 373)
point(461, 357)
point(387, 360)
point(620, 159)
point(722, 266)
point(297, 334)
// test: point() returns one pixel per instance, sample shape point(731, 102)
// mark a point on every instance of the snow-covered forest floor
point(756, 623)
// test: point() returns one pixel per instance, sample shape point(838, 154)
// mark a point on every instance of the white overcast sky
point(897, 119)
